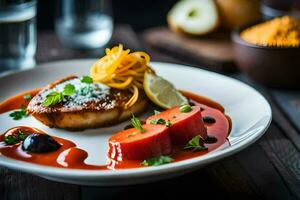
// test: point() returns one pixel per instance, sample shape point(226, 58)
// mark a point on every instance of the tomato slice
point(184, 126)
point(131, 144)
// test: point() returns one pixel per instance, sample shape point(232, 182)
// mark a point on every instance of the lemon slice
point(162, 92)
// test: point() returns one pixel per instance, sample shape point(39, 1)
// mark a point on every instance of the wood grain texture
point(20, 186)
point(287, 112)
point(285, 157)
point(283, 145)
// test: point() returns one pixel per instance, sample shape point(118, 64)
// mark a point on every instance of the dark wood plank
point(289, 102)
point(253, 173)
point(283, 145)
point(285, 157)
point(217, 181)
point(16, 185)
point(214, 51)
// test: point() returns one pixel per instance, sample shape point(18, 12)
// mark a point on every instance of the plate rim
point(137, 172)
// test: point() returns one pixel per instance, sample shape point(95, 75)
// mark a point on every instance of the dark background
point(140, 14)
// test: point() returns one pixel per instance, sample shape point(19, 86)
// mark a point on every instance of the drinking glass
point(84, 24)
point(277, 8)
point(17, 34)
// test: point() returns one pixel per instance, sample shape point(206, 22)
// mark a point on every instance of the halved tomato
point(183, 125)
point(131, 144)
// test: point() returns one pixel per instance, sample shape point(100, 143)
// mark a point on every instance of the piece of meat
point(93, 105)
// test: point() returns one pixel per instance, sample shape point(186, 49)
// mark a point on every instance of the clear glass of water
point(84, 24)
point(17, 34)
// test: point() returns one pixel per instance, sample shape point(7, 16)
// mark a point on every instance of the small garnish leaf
point(11, 140)
point(195, 145)
point(87, 80)
point(69, 89)
point(185, 108)
point(19, 114)
point(161, 121)
point(158, 121)
point(156, 161)
point(15, 139)
point(22, 136)
point(27, 96)
point(53, 98)
point(137, 124)
point(156, 112)
point(23, 108)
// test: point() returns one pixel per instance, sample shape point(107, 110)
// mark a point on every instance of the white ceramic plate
point(249, 111)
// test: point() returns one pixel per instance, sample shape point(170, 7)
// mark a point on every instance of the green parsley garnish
point(87, 80)
point(137, 124)
point(156, 161)
point(15, 139)
point(194, 144)
point(55, 97)
point(161, 121)
point(22, 136)
point(69, 89)
point(19, 114)
point(11, 140)
point(158, 121)
point(27, 96)
point(185, 108)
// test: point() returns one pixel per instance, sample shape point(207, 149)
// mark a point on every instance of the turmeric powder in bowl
point(278, 32)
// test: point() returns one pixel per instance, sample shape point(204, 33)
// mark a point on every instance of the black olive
point(209, 120)
point(211, 139)
point(201, 109)
point(40, 143)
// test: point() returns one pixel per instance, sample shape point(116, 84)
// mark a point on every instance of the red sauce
point(15, 102)
point(69, 156)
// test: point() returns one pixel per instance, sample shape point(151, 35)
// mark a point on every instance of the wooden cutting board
point(214, 52)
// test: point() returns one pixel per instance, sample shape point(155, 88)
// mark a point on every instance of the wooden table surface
point(268, 169)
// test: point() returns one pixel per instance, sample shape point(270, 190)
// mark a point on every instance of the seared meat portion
point(92, 105)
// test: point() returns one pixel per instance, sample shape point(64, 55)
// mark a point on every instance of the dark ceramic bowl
point(272, 66)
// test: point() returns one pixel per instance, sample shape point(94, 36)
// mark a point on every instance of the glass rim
point(19, 5)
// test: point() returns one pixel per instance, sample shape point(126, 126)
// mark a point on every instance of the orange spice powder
point(278, 32)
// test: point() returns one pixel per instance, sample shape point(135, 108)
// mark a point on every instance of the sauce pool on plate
point(67, 155)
